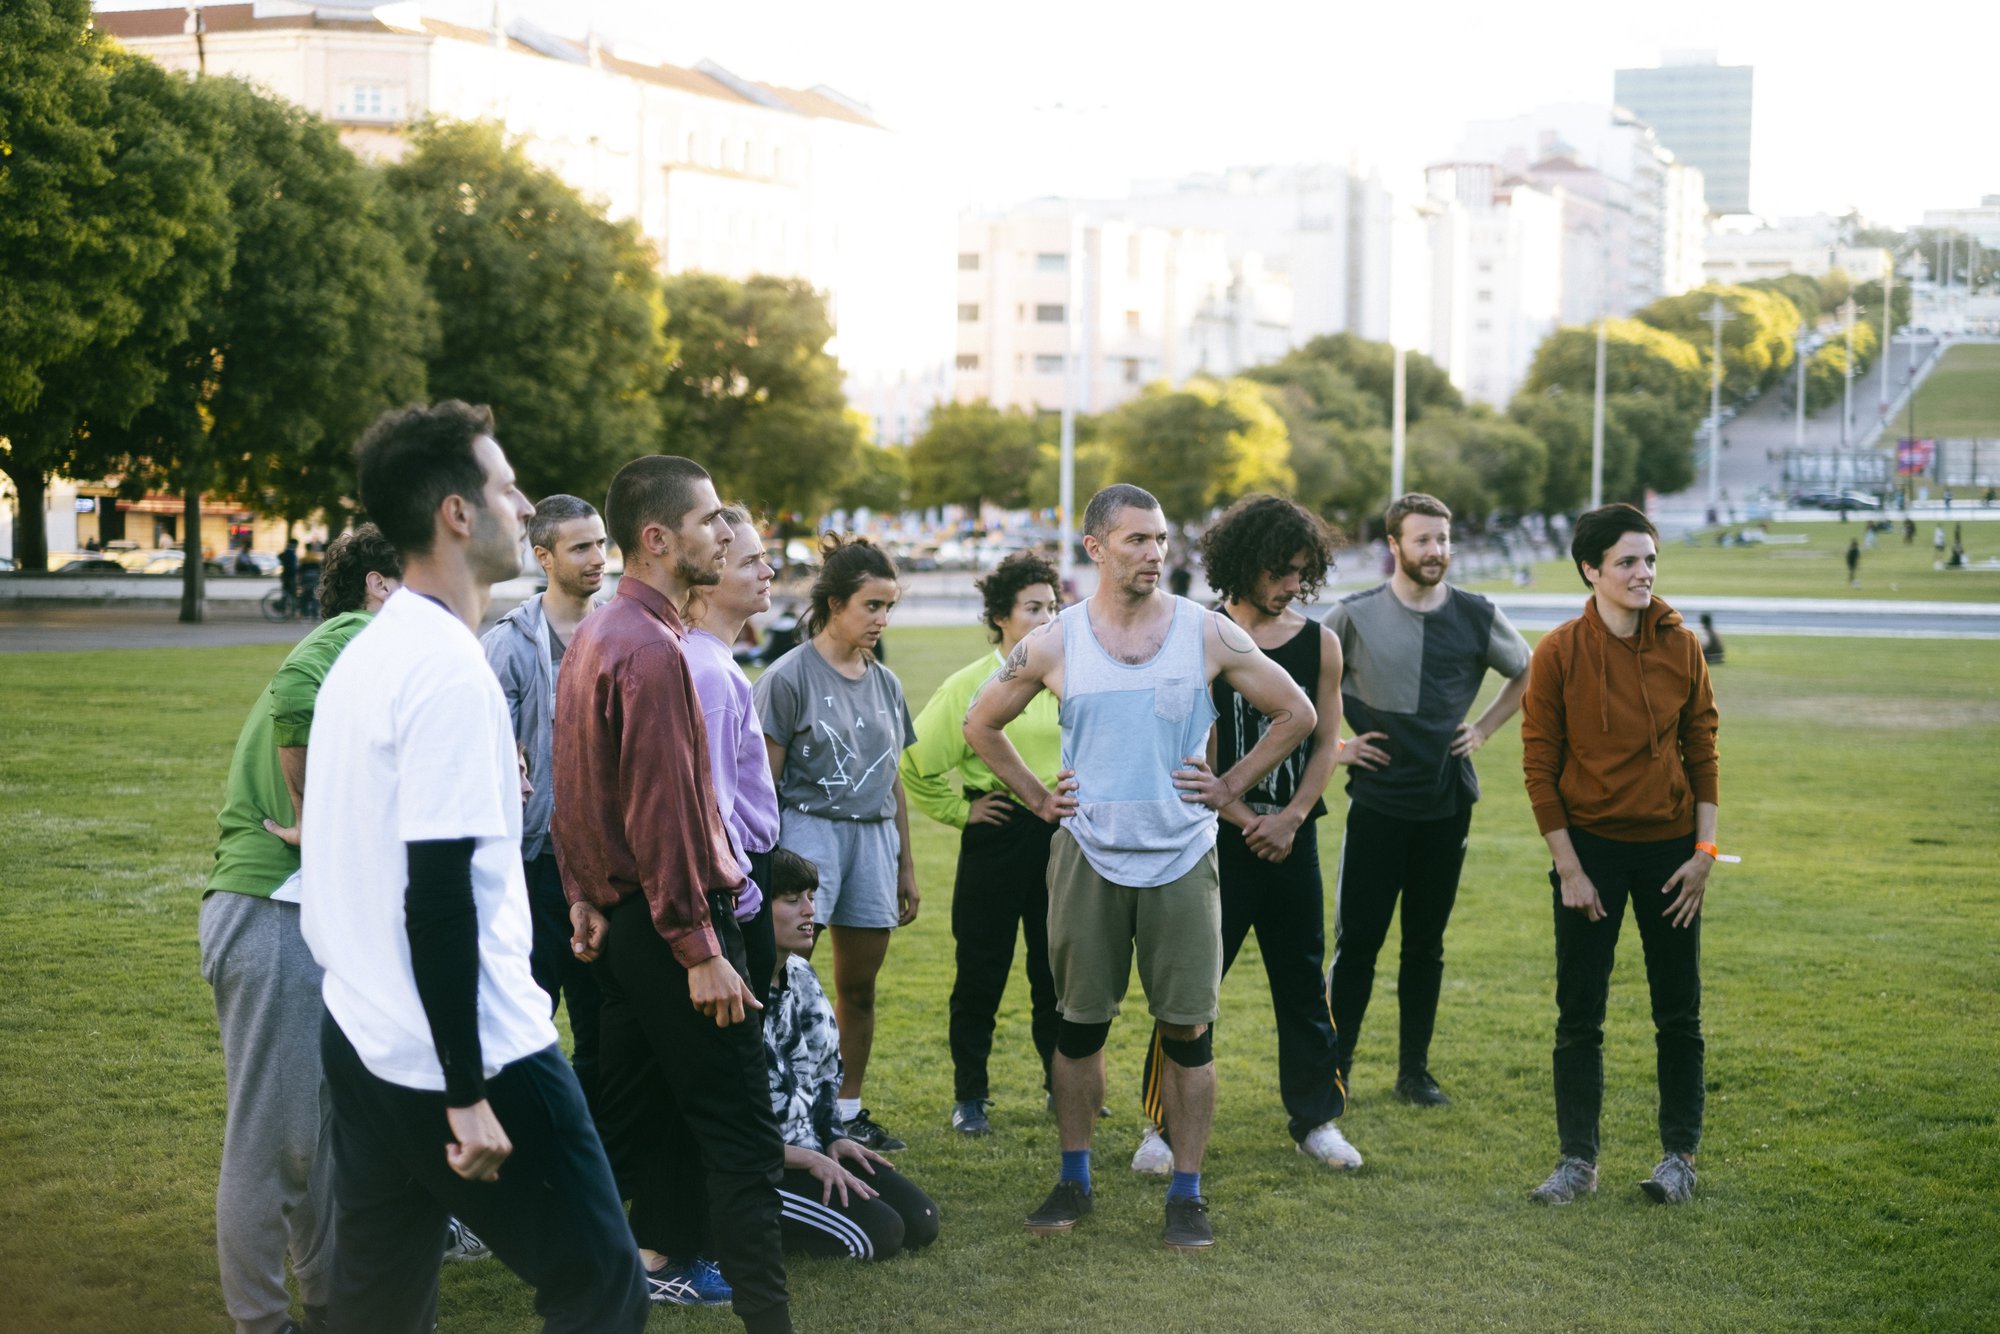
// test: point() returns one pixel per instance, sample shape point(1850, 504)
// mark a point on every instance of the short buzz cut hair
point(658, 488)
point(1104, 507)
point(551, 513)
point(1416, 502)
point(350, 559)
point(1598, 530)
point(410, 459)
point(1262, 534)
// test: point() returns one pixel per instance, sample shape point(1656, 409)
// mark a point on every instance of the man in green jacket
point(1003, 850)
point(272, 1197)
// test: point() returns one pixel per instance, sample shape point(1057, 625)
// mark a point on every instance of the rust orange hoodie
point(1618, 735)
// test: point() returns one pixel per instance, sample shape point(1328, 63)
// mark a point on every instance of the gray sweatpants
point(275, 1194)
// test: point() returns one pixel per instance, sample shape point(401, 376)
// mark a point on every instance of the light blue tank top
point(1125, 729)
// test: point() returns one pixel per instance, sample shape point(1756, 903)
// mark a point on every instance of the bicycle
point(278, 605)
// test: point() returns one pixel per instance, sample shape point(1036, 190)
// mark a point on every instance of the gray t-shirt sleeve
point(777, 699)
point(1506, 652)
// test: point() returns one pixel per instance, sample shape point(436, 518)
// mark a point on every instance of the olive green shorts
point(1095, 927)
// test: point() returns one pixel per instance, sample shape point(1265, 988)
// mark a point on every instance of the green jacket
point(941, 747)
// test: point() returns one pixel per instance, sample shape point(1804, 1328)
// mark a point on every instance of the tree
point(752, 391)
point(878, 480)
point(1200, 446)
point(112, 226)
point(973, 452)
point(1478, 463)
point(1368, 368)
point(1757, 345)
point(319, 325)
point(546, 310)
point(1639, 359)
point(1562, 421)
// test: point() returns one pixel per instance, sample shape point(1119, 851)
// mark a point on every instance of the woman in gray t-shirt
point(835, 723)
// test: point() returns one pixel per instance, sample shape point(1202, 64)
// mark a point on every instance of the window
point(370, 101)
point(1048, 363)
point(968, 261)
point(968, 361)
point(968, 312)
point(1048, 314)
point(1131, 370)
point(1048, 262)
point(1485, 295)
point(1131, 321)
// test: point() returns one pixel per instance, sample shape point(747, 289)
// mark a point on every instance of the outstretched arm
point(1027, 671)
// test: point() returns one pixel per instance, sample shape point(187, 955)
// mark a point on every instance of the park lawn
point(1960, 399)
point(1848, 1173)
point(1816, 568)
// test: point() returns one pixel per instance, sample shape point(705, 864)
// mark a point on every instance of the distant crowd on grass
point(431, 840)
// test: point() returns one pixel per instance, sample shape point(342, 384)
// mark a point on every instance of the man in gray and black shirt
point(1416, 650)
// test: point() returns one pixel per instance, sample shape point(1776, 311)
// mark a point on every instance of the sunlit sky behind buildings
point(1857, 106)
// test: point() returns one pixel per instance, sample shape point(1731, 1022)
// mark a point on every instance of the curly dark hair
point(846, 563)
point(1023, 569)
point(352, 557)
point(1262, 534)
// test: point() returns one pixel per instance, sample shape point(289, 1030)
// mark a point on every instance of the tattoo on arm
point(1016, 662)
point(1232, 635)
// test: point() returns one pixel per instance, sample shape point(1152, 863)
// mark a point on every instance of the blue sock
point(1185, 1185)
point(1076, 1167)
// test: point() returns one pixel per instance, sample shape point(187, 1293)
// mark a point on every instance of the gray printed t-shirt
point(842, 738)
point(1414, 675)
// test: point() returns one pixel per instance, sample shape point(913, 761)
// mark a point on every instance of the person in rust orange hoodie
point(1618, 746)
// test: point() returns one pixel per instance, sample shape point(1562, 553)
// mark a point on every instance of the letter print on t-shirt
point(842, 769)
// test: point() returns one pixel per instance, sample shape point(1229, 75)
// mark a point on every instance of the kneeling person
point(840, 1198)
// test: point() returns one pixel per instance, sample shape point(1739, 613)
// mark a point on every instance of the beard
point(1418, 574)
point(494, 557)
point(696, 575)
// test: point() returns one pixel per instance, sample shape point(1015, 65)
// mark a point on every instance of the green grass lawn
point(1961, 398)
point(1815, 568)
point(1848, 1176)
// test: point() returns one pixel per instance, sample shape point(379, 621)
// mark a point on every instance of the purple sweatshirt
point(736, 756)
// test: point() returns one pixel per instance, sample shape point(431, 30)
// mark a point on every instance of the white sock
point(849, 1108)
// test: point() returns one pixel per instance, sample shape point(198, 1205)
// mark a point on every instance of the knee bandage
point(1190, 1053)
point(1080, 1042)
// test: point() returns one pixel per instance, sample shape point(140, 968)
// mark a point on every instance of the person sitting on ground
point(840, 1198)
point(1711, 642)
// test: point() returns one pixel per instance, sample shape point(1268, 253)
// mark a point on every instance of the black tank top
point(1239, 727)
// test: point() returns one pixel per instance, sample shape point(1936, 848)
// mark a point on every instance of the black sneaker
point(1068, 1202)
point(863, 1131)
point(1187, 1225)
point(1420, 1090)
point(969, 1117)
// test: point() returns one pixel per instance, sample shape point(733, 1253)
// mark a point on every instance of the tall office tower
point(1701, 112)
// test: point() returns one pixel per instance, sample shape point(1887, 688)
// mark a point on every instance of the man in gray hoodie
point(526, 651)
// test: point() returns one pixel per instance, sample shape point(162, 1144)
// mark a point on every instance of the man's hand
point(1201, 785)
point(848, 1151)
point(479, 1144)
point(1270, 836)
point(283, 833)
point(1692, 881)
point(587, 930)
point(1467, 739)
point(907, 897)
point(1061, 803)
point(1363, 751)
point(835, 1179)
point(717, 991)
point(1580, 894)
point(991, 808)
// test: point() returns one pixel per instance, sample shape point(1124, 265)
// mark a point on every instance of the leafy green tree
point(1757, 345)
point(1827, 367)
point(112, 227)
point(1478, 462)
point(878, 480)
point(973, 452)
point(1868, 296)
point(1332, 367)
point(1341, 465)
point(1200, 446)
point(752, 392)
point(1562, 421)
point(1811, 297)
point(1639, 359)
point(546, 310)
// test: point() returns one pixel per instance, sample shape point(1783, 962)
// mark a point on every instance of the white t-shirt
point(411, 742)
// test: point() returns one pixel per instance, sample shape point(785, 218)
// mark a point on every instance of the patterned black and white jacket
point(802, 1051)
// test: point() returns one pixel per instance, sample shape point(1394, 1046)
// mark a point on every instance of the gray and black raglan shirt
point(1414, 675)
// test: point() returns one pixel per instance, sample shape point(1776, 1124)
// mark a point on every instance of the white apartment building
point(1982, 224)
point(1498, 247)
point(722, 173)
point(1772, 252)
point(1136, 303)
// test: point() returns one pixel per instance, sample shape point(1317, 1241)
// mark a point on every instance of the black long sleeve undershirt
point(442, 923)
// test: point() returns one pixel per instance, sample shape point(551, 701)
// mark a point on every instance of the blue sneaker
point(697, 1282)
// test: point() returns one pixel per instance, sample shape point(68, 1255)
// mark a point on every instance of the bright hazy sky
point(1866, 106)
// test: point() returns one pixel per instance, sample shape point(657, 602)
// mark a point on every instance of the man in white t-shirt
point(450, 1096)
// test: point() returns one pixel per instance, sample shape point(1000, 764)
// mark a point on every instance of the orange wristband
point(1715, 852)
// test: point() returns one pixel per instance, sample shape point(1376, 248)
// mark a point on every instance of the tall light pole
point(1847, 371)
point(1398, 411)
point(1888, 291)
point(1799, 420)
point(1597, 421)
point(1066, 487)
point(1717, 316)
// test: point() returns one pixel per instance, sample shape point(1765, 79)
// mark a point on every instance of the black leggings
point(1002, 887)
point(899, 1218)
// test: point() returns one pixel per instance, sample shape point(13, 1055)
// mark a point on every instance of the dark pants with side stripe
point(1383, 858)
point(1284, 903)
point(553, 1217)
point(899, 1218)
point(1002, 887)
point(677, 1090)
point(1584, 954)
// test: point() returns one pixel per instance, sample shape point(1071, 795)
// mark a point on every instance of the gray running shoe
point(1572, 1177)
point(969, 1117)
point(1672, 1181)
point(460, 1243)
point(1187, 1226)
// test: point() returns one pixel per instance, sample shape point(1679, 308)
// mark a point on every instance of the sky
point(1856, 106)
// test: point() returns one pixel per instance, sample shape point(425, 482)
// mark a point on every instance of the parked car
point(91, 565)
point(1835, 500)
point(254, 563)
point(6, 565)
point(170, 562)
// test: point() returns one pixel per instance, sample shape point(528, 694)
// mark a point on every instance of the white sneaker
point(1155, 1157)
point(1327, 1144)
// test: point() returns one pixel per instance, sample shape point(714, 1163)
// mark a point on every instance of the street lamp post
point(1597, 420)
point(1799, 419)
point(1066, 487)
point(1847, 371)
point(1717, 316)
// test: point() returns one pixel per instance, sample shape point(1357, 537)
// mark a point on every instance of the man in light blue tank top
point(1132, 870)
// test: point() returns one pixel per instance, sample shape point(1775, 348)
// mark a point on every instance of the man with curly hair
point(1416, 650)
point(1003, 847)
point(1264, 557)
